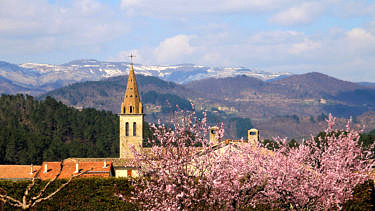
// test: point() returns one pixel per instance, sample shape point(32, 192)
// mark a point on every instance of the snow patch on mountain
point(35, 75)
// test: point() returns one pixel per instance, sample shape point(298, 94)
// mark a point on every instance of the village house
point(72, 167)
point(18, 172)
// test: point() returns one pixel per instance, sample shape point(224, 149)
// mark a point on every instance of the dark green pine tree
point(32, 131)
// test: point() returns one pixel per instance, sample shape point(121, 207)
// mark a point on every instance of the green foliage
point(100, 194)
point(293, 143)
point(33, 131)
point(148, 134)
point(321, 140)
point(363, 197)
point(366, 139)
point(270, 144)
point(80, 194)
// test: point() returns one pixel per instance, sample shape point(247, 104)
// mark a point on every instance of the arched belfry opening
point(127, 129)
point(134, 129)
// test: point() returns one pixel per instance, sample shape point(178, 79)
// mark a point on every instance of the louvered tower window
point(127, 129)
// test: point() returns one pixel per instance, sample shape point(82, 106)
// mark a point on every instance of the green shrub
point(363, 197)
point(80, 194)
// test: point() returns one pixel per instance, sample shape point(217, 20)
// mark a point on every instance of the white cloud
point(305, 46)
point(342, 53)
point(69, 25)
point(88, 6)
point(301, 14)
point(174, 49)
point(360, 35)
point(359, 43)
point(353, 8)
point(183, 7)
point(276, 37)
point(130, 3)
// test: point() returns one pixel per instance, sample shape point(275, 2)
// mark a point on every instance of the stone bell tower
point(131, 117)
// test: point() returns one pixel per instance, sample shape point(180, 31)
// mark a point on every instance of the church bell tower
point(131, 117)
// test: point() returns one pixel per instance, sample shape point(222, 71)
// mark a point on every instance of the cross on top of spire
point(131, 57)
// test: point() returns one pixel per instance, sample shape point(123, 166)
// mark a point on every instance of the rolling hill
point(302, 95)
point(108, 94)
point(269, 105)
point(316, 85)
point(9, 87)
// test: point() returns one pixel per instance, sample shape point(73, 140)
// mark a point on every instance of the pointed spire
point(132, 103)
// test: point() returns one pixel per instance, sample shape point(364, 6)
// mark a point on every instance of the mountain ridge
point(46, 77)
point(317, 83)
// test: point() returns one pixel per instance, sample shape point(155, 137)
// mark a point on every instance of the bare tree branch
point(33, 201)
point(27, 191)
point(7, 199)
point(39, 199)
point(49, 182)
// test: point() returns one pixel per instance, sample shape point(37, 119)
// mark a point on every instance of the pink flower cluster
point(184, 171)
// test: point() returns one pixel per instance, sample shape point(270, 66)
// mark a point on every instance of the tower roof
point(132, 103)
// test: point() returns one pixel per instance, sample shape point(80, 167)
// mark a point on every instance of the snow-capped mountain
point(47, 76)
point(181, 73)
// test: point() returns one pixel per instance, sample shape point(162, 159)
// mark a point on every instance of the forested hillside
point(108, 94)
point(33, 131)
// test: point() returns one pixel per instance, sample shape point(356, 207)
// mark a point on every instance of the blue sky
point(336, 37)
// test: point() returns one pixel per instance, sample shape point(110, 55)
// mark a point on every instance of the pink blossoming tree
point(184, 171)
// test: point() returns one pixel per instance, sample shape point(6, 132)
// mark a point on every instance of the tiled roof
point(116, 162)
point(15, 172)
point(93, 168)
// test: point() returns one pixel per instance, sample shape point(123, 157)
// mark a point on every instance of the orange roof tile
point(93, 168)
point(116, 162)
point(236, 141)
point(13, 172)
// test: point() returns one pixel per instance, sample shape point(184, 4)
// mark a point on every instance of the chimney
point(253, 136)
point(105, 164)
point(213, 135)
point(77, 167)
point(45, 168)
point(31, 169)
